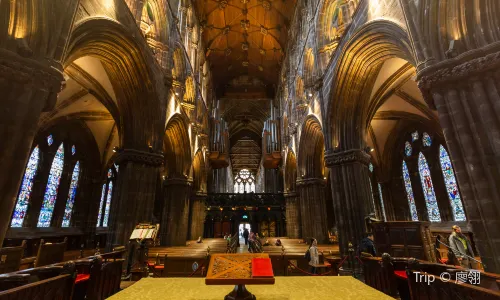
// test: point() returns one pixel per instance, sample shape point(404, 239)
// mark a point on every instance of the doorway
point(241, 228)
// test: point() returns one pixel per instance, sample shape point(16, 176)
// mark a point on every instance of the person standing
point(313, 252)
point(461, 247)
point(245, 235)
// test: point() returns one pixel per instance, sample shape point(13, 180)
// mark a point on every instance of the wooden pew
point(10, 258)
point(50, 253)
point(52, 282)
point(446, 290)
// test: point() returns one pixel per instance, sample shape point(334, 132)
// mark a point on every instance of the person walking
point(461, 247)
point(245, 235)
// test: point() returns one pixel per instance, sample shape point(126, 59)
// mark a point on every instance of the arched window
point(409, 193)
point(451, 185)
point(408, 149)
point(106, 196)
point(382, 206)
point(426, 140)
point(68, 211)
point(370, 168)
point(25, 190)
point(244, 181)
point(428, 188)
point(50, 197)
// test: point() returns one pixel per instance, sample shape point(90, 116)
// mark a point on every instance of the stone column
point(312, 208)
point(175, 216)
point(351, 194)
point(292, 215)
point(465, 91)
point(28, 87)
point(197, 215)
point(133, 193)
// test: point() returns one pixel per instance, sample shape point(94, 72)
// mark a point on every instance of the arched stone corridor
point(307, 117)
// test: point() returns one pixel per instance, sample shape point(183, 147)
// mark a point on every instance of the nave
point(140, 138)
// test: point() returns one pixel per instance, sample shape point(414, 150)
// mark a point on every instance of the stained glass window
point(382, 202)
point(426, 140)
point(73, 150)
point(68, 211)
point(50, 197)
point(25, 190)
point(409, 192)
point(370, 167)
point(110, 173)
point(108, 205)
point(373, 197)
point(103, 196)
point(408, 149)
point(117, 167)
point(414, 136)
point(451, 185)
point(428, 188)
point(50, 140)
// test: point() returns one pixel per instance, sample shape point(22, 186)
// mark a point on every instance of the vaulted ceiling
point(245, 37)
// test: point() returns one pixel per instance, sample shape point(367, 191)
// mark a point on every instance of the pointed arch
point(177, 148)
point(50, 197)
point(290, 172)
point(199, 173)
point(409, 192)
point(68, 210)
point(23, 198)
point(451, 185)
point(428, 189)
point(311, 157)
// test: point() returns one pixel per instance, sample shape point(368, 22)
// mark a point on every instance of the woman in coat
point(313, 251)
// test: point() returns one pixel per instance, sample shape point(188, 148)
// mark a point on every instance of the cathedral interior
point(296, 119)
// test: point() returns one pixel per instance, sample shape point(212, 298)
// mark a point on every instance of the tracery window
point(244, 181)
point(428, 188)
point(370, 167)
point(68, 210)
point(451, 185)
point(50, 197)
point(409, 193)
point(25, 190)
point(408, 149)
point(426, 140)
point(106, 197)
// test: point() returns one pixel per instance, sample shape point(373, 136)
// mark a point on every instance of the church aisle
point(286, 288)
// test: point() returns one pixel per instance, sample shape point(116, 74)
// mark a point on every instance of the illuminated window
point(68, 211)
point(409, 193)
point(25, 190)
point(451, 185)
point(426, 140)
point(106, 197)
point(244, 181)
point(50, 197)
point(408, 149)
point(382, 202)
point(428, 188)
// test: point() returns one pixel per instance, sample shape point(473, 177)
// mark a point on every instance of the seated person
point(278, 242)
point(366, 246)
point(199, 240)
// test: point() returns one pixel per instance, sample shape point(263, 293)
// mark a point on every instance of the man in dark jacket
point(367, 246)
point(245, 235)
point(461, 247)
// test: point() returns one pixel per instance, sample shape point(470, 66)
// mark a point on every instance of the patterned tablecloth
point(235, 268)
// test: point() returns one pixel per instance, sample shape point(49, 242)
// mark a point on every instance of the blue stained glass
point(25, 190)
point(382, 202)
point(373, 197)
point(426, 140)
point(408, 149)
point(103, 196)
point(110, 173)
point(451, 185)
point(50, 197)
point(428, 188)
point(68, 211)
point(409, 192)
point(73, 150)
point(370, 167)
point(108, 204)
point(50, 140)
point(117, 167)
point(414, 136)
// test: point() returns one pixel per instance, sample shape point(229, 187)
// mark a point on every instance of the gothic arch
point(308, 68)
point(156, 13)
point(179, 71)
point(199, 173)
point(356, 70)
point(134, 74)
point(311, 154)
point(290, 172)
point(177, 148)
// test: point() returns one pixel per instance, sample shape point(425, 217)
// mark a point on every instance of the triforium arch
point(199, 172)
point(290, 172)
point(311, 181)
point(134, 74)
point(177, 148)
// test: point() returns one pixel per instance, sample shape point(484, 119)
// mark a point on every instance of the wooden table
point(235, 269)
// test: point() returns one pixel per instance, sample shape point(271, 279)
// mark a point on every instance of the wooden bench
point(10, 258)
point(50, 253)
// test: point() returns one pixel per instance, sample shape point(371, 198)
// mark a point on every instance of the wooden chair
point(32, 284)
point(50, 253)
point(10, 258)
point(105, 278)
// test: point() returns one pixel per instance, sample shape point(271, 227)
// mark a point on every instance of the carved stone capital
point(143, 157)
point(311, 181)
point(346, 157)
